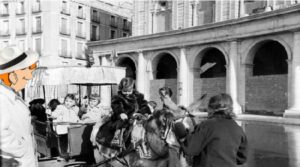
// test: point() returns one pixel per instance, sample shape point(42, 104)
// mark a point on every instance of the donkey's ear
point(203, 96)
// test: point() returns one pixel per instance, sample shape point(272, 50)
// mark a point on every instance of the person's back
point(218, 141)
point(223, 138)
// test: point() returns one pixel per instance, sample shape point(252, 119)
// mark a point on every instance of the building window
point(64, 8)
point(20, 8)
point(64, 26)
point(37, 27)
point(80, 12)
point(21, 45)
point(64, 48)
point(79, 50)
point(125, 34)
point(112, 34)
point(95, 17)
point(5, 28)
point(4, 9)
point(113, 21)
point(36, 6)
point(21, 27)
point(94, 36)
point(80, 32)
point(125, 24)
point(38, 45)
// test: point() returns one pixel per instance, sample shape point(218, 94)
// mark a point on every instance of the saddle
point(147, 143)
point(113, 138)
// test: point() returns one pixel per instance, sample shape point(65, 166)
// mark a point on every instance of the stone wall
point(266, 93)
point(158, 83)
point(210, 86)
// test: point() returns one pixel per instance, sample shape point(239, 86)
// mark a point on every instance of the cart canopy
point(56, 82)
point(101, 75)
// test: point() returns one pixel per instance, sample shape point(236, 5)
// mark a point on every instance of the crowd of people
point(217, 141)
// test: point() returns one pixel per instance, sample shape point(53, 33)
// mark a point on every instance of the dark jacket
point(217, 142)
point(134, 103)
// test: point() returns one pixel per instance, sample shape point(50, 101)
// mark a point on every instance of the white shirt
point(63, 114)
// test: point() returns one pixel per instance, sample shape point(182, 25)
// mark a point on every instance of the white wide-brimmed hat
point(12, 58)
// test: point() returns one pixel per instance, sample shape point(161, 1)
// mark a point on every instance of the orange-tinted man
point(16, 136)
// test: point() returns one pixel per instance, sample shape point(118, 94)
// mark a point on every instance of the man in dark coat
point(218, 141)
point(124, 105)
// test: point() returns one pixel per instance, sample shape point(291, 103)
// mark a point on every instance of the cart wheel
point(77, 164)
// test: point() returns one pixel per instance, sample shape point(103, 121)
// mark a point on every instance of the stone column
point(105, 90)
point(183, 79)
point(242, 8)
point(231, 78)
point(294, 90)
point(141, 72)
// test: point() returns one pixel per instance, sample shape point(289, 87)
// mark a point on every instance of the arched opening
point(270, 58)
point(129, 65)
point(166, 67)
point(266, 79)
point(209, 73)
point(211, 56)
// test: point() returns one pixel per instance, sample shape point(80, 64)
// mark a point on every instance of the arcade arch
point(209, 80)
point(129, 64)
point(209, 56)
point(165, 66)
point(266, 80)
point(270, 58)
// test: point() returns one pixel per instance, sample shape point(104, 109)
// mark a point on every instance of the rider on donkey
point(124, 105)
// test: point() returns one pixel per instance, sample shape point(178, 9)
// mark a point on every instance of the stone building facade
point(155, 16)
point(59, 29)
point(255, 59)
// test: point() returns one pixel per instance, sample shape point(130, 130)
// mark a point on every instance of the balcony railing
point(80, 16)
point(65, 55)
point(80, 35)
point(36, 8)
point(126, 26)
point(94, 38)
point(4, 13)
point(64, 32)
point(114, 23)
point(37, 31)
point(20, 11)
point(65, 11)
point(4, 34)
point(80, 56)
point(20, 32)
point(96, 19)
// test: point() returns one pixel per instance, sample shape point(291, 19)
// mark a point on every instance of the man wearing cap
point(16, 135)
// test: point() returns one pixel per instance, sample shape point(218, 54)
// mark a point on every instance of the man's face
point(22, 76)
